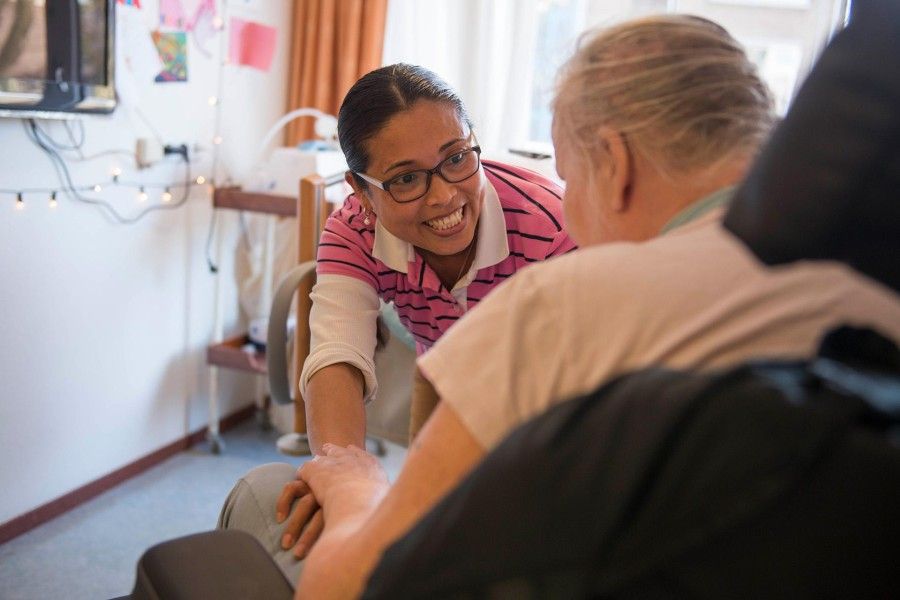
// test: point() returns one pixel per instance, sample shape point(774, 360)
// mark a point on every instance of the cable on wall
point(52, 149)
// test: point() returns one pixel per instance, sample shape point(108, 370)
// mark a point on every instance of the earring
point(367, 220)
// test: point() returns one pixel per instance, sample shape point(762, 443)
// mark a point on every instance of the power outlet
point(181, 150)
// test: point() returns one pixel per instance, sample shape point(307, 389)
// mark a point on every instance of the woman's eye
point(457, 158)
point(407, 179)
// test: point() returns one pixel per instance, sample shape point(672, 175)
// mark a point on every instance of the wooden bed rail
point(313, 209)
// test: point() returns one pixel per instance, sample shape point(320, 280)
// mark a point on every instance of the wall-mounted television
point(56, 58)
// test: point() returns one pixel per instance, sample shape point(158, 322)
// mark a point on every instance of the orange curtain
point(335, 43)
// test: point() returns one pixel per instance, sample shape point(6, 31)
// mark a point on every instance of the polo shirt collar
point(699, 208)
point(391, 250)
point(493, 245)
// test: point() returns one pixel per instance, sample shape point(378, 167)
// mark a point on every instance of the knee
point(255, 494)
point(268, 473)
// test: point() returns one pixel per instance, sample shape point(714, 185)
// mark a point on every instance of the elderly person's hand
point(346, 481)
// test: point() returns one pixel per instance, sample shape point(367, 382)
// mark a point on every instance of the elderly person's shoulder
point(700, 260)
point(630, 262)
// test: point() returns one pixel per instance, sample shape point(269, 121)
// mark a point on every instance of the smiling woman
point(430, 227)
point(435, 209)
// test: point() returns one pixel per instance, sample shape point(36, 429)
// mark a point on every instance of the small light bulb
point(218, 23)
point(200, 179)
point(217, 140)
point(142, 195)
point(98, 188)
point(167, 196)
point(52, 202)
point(213, 100)
point(20, 203)
point(116, 171)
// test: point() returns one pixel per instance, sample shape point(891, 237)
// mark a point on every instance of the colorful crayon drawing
point(134, 3)
point(172, 48)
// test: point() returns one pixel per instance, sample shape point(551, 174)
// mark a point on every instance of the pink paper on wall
point(171, 14)
point(206, 9)
point(203, 26)
point(251, 44)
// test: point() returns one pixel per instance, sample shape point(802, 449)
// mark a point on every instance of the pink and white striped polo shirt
point(531, 210)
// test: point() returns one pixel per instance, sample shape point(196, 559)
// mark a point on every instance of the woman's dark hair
point(377, 97)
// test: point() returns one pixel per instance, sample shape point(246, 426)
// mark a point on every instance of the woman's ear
point(618, 168)
point(359, 191)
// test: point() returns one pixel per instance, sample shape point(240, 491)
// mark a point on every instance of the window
point(503, 55)
point(782, 37)
point(557, 30)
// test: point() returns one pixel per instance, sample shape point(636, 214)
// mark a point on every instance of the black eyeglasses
point(412, 185)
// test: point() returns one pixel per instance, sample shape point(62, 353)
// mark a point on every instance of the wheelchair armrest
point(276, 336)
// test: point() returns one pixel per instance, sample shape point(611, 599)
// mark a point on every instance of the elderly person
point(655, 121)
point(430, 227)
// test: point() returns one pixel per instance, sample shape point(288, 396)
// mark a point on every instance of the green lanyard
point(700, 208)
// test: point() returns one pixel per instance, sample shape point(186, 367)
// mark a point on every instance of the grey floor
point(91, 551)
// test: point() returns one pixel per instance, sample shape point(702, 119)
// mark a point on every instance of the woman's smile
point(449, 224)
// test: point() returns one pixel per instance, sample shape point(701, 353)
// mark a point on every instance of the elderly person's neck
point(656, 198)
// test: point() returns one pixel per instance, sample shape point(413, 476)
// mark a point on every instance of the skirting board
point(54, 508)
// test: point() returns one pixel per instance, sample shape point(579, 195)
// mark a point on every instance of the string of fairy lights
point(149, 196)
point(52, 194)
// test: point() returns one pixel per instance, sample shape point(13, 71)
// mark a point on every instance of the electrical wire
point(148, 123)
point(68, 129)
point(77, 145)
point(213, 267)
point(220, 86)
point(113, 152)
point(31, 130)
point(73, 144)
point(37, 136)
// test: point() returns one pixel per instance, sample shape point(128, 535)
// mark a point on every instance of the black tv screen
point(56, 57)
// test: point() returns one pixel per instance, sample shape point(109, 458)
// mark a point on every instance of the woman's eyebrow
point(403, 163)
point(450, 143)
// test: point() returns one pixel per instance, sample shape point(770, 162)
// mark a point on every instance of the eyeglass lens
point(414, 184)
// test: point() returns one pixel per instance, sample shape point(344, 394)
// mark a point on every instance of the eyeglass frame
point(385, 185)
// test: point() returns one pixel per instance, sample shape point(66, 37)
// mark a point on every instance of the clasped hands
point(335, 487)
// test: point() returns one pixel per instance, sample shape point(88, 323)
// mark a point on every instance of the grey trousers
point(250, 507)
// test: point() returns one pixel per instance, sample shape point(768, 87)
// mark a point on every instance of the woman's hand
point(305, 521)
point(347, 481)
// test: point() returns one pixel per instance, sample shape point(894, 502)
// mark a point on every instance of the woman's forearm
point(335, 411)
point(354, 538)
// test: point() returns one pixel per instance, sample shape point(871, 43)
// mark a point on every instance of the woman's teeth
point(451, 220)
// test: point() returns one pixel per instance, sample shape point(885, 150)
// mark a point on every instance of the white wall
point(103, 327)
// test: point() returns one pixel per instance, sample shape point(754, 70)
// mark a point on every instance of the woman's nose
point(440, 192)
